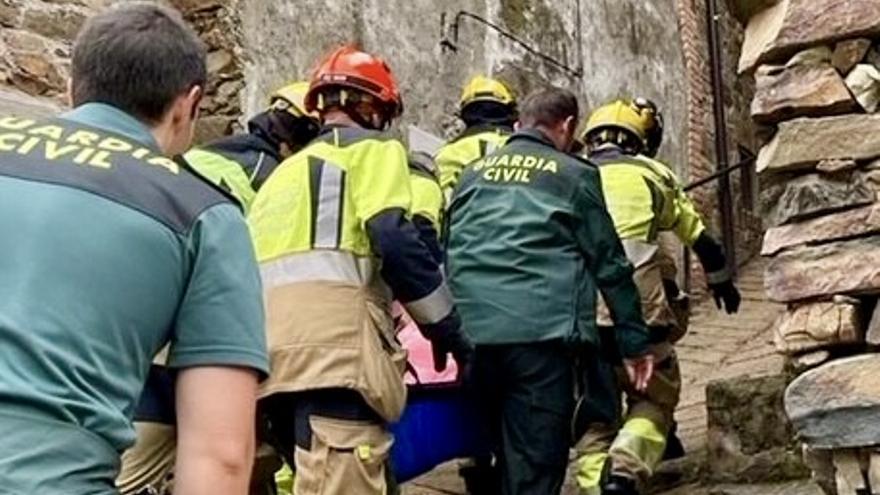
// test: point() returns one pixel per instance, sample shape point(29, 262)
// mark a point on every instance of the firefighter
point(335, 243)
point(241, 163)
point(529, 243)
point(488, 109)
point(113, 250)
point(644, 198)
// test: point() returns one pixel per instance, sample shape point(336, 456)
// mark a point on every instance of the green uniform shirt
point(110, 251)
point(529, 242)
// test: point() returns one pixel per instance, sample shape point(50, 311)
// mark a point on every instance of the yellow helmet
point(482, 88)
point(291, 97)
point(621, 114)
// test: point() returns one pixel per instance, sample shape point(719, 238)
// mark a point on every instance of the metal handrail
point(451, 44)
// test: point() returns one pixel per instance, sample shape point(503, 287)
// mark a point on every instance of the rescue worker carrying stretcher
point(488, 110)
point(644, 198)
point(335, 242)
point(239, 164)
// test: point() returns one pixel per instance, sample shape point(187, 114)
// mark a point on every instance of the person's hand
point(459, 345)
point(640, 370)
point(726, 295)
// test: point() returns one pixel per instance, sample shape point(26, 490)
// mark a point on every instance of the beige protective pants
point(346, 457)
point(635, 447)
point(149, 463)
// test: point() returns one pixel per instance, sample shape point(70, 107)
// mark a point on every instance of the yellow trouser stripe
point(589, 473)
point(643, 440)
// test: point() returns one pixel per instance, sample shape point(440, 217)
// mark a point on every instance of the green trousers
point(526, 395)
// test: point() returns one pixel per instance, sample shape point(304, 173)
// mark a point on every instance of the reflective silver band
point(639, 252)
point(718, 276)
point(329, 207)
point(433, 307)
point(319, 265)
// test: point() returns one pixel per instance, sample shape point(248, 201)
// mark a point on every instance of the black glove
point(461, 348)
point(725, 292)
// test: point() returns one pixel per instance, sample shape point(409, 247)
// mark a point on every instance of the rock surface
point(781, 30)
point(864, 83)
point(817, 325)
point(749, 435)
point(848, 53)
point(845, 267)
point(872, 335)
point(746, 9)
point(800, 90)
point(837, 404)
point(802, 143)
point(858, 222)
point(814, 194)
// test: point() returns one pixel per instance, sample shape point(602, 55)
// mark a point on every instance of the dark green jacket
point(530, 241)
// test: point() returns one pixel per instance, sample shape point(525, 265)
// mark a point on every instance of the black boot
point(674, 447)
point(619, 485)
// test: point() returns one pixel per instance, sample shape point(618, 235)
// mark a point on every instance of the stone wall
point(36, 38)
point(816, 65)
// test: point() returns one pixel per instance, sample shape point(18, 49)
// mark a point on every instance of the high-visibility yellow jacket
point(427, 197)
point(236, 163)
point(474, 143)
point(333, 233)
point(645, 197)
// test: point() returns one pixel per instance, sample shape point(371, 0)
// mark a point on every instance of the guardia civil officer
point(644, 198)
point(333, 234)
point(488, 109)
point(529, 243)
point(113, 251)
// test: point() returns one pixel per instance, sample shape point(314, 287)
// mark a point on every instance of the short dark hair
point(548, 107)
point(137, 57)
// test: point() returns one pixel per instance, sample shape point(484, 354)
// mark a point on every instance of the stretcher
point(439, 423)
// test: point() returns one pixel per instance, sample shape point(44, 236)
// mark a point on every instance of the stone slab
point(775, 33)
point(812, 326)
point(837, 404)
point(864, 83)
point(848, 53)
point(811, 195)
point(802, 143)
point(844, 267)
point(857, 222)
point(783, 93)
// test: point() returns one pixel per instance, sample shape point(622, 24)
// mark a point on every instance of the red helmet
point(348, 67)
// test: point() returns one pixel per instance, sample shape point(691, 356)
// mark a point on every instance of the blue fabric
point(438, 425)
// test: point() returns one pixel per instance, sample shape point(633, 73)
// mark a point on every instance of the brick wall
point(700, 150)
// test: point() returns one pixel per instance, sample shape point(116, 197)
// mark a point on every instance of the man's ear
point(193, 99)
point(569, 125)
point(68, 95)
point(517, 126)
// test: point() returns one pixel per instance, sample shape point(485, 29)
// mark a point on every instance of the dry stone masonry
point(817, 74)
